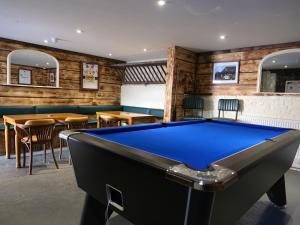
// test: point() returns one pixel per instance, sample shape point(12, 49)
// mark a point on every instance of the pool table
point(204, 172)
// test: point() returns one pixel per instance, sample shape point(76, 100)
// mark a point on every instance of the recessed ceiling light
point(78, 31)
point(145, 50)
point(46, 41)
point(36, 64)
point(161, 3)
point(286, 66)
point(222, 37)
point(109, 54)
point(273, 61)
point(47, 63)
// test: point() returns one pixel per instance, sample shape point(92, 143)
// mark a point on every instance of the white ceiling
point(126, 27)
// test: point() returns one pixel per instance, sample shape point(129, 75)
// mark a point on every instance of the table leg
point(17, 147)
point(130, 121)
point(7, 140)
point(98, 124)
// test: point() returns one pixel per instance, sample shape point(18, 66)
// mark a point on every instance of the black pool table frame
point(160, 191)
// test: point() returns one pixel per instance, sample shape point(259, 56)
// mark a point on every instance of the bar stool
point(73, 123)
point(108, 121)
point(34, 133)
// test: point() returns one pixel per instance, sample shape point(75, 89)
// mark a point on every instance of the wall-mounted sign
point(89, 76)
point(226, 73)
point(24, 76)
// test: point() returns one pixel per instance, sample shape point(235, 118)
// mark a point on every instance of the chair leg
point(24, 155)
point(70, 159)
point(52, 151)
point(45, 153)
point(31, 156)
point(60, 147)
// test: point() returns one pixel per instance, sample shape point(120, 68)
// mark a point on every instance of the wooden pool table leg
point(93, 212)
point(277, 193)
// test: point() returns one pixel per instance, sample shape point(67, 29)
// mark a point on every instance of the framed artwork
point(24, 76)
point(52, 77)
point(226, 73)
point(89, 76)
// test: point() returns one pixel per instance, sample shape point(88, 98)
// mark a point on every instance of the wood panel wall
point(249, 59)
point(69, 93)
point(180, 78)
point(39, 76)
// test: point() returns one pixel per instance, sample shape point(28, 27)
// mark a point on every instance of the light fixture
point(36, 64)
point(145, 50)
point(109, 54)
point(47, 63)
point(222, 37)
point(78, 31)
point(273, 61)
point(286, 66)
point(46, 41)
point(161, 3)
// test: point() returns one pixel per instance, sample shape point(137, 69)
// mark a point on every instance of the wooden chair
point(73, 123)
point(108, 121)
point(36, 133)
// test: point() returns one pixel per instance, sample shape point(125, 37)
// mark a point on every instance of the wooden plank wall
point(249, 59)
point(69, 93)
point(179, 81)
point(39, 76)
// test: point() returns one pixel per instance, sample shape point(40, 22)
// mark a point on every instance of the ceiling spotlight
point(46, 41)
point(286, 66)
point(145, 50)
point(47, 63)
point(161, 3)
point(222, 37)
point(273, 61)
point(110, 54)
point(78, 31)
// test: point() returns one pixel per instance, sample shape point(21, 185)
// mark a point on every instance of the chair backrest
point(42, 129)
point(193, 102)
point(77, 122)
point(107, 121)
point(232, 105)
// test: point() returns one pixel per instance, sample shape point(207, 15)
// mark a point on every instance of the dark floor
point(51, 196)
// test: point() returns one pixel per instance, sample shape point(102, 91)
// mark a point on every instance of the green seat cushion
point(92, 120)
point(56, 109)
point(92, 109)
point(15, 110)
point(158, 113)
point(193, 118)
point(136, 109)
point(2, 127)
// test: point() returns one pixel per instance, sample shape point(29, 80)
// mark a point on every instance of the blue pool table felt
point(196, 144)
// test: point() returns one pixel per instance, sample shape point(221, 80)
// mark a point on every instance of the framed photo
point(226, 73)
point(89, 76)
point(52, 77)
point(24, 76)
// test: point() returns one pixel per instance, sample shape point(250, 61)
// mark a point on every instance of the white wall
point(148, 96)
point(281, 111)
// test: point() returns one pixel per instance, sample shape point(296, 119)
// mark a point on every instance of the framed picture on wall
point(24, 76)
point(52, 77)
point(89, 76)
point(226, 73)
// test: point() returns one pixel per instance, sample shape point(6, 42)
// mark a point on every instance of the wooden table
point(21, 119)
point(129, 116)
